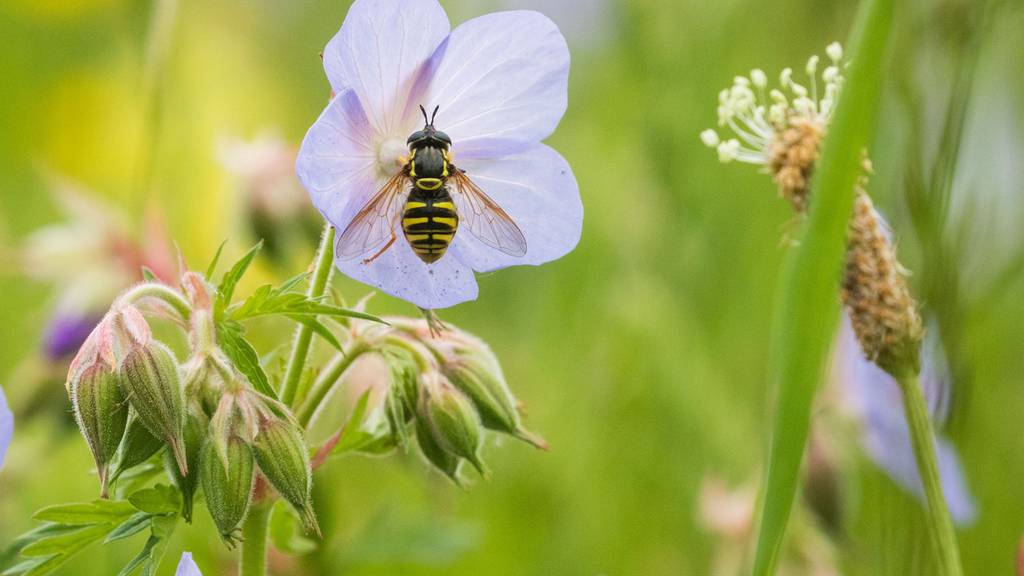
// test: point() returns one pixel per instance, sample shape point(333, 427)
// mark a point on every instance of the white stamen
point(835, 52)
point(710, 138)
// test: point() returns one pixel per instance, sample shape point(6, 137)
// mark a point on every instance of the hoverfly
point(429, 211)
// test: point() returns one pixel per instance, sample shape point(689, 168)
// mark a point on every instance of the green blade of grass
point(807, 310)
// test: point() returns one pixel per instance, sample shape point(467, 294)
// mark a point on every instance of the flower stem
point(161, 292)
point(940, 525)
point(254, 543)
point(326, 381)
point(304, 335)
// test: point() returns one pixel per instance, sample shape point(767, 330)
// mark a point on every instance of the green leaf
point(286, 531)
point(269, 301)
point(148, 275)
point(160, 499)
point(808, 306)
point(67, 541)
point(148, 559)
point(36, 566)
point(226, 289)
point(133, 525)
point(86, 512)
point(319, 329)
point(244, 356)
point(216, 258)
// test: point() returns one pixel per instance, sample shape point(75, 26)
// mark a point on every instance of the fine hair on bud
point(883, 313)
point(150, 377)
point(282, 456)
point(451, 419)
point(194, 436)
point(437, 456)
point(101, 412)
point(227, 485)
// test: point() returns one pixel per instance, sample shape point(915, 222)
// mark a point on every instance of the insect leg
point(382, 250)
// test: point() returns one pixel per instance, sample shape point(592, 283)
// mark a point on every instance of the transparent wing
point(374, 225)
point(484, 218)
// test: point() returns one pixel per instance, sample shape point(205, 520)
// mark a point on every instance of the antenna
point(434, 115)
point(424, 111)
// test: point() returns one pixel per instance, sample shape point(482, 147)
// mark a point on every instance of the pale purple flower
point(66, 332)
point(187, 566)
point(876, 400)
point(500, 82)
point(6, 427)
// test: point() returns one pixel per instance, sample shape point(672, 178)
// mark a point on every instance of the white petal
point(337, 159)
point(400, 273)
point(380, 52)
point(538, 190)
point(502, 76)
point(186, 566)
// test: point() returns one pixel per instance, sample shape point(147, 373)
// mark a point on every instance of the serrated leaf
point(133, 525)
point(268, 301)
point(68, 541)
point(216, 258)
point(160, 499)
point(86, 512)
point(226, 288)
point(244, 357)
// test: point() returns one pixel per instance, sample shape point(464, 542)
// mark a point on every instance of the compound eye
point(416, 137)
point(443, 137)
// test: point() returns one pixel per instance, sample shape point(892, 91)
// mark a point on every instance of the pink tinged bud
point(227, 485)
point(195, 433)
point(151, 381)
point(120, 331)
point(138, 445)
point(101, 412)
point(282, 456)
point(452, 420)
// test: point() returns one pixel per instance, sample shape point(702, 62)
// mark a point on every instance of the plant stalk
point(940, 524)
point(254, 543)
point(324, 265)
point(326, 381)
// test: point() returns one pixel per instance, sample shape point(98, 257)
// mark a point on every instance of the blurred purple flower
point(6, 427)
point(66, 332)
point(875, 398)
point(501, 82)
point(187, 566)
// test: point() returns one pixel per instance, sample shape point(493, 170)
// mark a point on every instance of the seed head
point(875, 294)
point(282, 456)
point(227, 485)
point(451, 419)
point(149, 375)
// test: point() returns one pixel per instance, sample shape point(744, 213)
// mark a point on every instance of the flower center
point(392, 154)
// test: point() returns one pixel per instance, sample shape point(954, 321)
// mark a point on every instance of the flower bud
point(281, 454)
point(138, 445)
point(120, 331)
point(101, 412)
point(227, 485)
point(194, 436)
point(474, 370)
point(150, 378)
point(444, 461)
point(451, 419)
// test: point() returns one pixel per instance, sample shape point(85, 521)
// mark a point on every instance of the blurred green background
point(641, 356)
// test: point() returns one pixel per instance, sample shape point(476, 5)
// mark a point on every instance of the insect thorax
point(428, 167)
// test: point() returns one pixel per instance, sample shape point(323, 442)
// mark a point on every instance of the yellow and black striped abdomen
point(429, 222)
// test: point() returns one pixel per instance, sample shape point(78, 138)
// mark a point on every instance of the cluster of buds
point(783, 130)
point(445, 388)
point(133, 399)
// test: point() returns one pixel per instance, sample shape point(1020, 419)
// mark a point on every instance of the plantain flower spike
point(874, 291)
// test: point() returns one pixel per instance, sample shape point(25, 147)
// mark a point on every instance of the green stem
point(254, 543)
point(304, 335)
point(326, 381)
point(161, 292)
point(940, 525)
